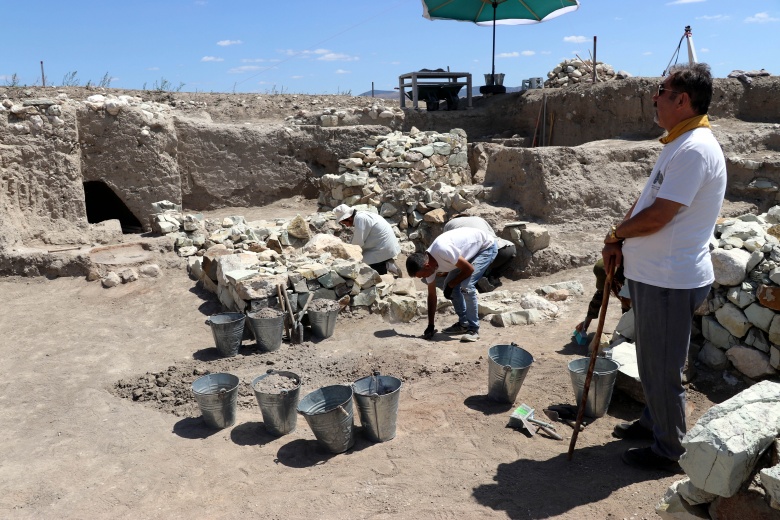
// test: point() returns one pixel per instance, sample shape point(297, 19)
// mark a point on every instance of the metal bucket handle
point(508, 368)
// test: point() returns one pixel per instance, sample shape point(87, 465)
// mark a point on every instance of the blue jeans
point(464, 297)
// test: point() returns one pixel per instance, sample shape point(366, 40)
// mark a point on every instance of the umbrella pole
point(493, 70)
point(594, 345)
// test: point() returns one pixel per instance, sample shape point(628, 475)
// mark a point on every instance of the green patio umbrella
point(497, 12)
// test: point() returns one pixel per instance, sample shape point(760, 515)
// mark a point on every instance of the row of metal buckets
point(228, 329)
point(328, 410)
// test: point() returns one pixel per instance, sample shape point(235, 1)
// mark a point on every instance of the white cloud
point(679, 2)
point(342, 71)
point(704, 49)
point(211, 58)
point(528, 53)
point(714, 18)
point(334, 56)
point(244, 68)
point(225, 43)
point(761, 18)
point(648, 53)
point(546, 52)
point(575, 39)
point(507, 55)
point(304, 53)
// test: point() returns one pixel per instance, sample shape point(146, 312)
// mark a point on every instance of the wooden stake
point(594, 345)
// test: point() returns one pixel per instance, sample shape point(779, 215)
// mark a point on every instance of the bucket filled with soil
point(328, 410)
point(267, 324)
point(216, 395)
point(322, 315)
point(507, 368)
point(377, 400)
point(228, 330)
point(277, 394)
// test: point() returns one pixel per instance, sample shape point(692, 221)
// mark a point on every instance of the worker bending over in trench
point(465, 254)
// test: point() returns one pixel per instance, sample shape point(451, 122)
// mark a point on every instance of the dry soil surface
point(76, 443)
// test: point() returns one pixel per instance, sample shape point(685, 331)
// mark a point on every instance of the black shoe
point(632, 430)
point(646, 458)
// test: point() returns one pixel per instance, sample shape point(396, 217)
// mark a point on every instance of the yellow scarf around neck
point(683, 126)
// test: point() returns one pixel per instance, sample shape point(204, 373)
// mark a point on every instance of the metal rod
point(595, 77)
point(493, 70)
point(43, 76)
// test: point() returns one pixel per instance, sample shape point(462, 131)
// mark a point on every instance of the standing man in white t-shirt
point(465, 254)
point(664, 245)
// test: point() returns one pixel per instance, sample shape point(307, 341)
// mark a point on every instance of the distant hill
point(393, 94)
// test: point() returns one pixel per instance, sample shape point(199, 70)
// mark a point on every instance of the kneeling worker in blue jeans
point(465, 254)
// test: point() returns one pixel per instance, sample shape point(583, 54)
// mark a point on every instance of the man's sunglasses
point(662, 89)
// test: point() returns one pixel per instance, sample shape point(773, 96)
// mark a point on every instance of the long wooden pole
point(594, 352)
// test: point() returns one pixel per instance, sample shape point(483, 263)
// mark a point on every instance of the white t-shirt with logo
point(691, 170)
point(465, 242)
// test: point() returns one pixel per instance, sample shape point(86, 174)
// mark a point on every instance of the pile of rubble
point(573, 72)
point(243, 263)
point(731, 460)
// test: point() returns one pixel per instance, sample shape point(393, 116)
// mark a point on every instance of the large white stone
point(730, 266)
point(723, 446)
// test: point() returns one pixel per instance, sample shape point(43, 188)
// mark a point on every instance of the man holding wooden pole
point(663, 243)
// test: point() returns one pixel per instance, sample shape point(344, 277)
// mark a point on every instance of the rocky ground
point(100, 422)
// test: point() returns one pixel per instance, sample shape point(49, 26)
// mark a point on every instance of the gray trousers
point(663, 320)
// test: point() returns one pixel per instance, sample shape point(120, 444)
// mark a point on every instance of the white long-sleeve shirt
point(375, 236)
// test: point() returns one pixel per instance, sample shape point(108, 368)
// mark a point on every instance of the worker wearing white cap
point(374, 235)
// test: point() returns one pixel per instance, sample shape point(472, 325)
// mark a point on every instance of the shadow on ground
point(548, 488)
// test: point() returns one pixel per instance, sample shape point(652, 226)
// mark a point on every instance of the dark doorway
point(103, 204)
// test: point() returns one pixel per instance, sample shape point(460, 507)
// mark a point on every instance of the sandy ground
point(74, 447)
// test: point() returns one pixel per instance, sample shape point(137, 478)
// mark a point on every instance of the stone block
point(770, 479)
point(673, 506)
point(733, 320)
point(760, 316)
point(627, 379)
point(535, 237)
point(713, 357)
point(751, 362)
point(401, 308)
point(717, 334)
point(725, 443)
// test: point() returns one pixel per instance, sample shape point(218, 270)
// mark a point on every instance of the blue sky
point(340, 46)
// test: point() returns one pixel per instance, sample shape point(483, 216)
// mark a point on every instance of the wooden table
point(414, 80)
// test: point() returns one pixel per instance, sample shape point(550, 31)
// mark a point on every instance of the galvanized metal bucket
point(328, 411)
point(601, 384)
point(216, 395)
point(377, 400)
point(507, 368)
point(268, 331)
point(278, 409)
point(323, 323)
point(228, 330)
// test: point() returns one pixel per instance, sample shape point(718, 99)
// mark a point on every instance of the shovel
point(297, 325)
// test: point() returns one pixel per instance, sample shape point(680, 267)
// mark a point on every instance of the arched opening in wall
point(103, 204)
